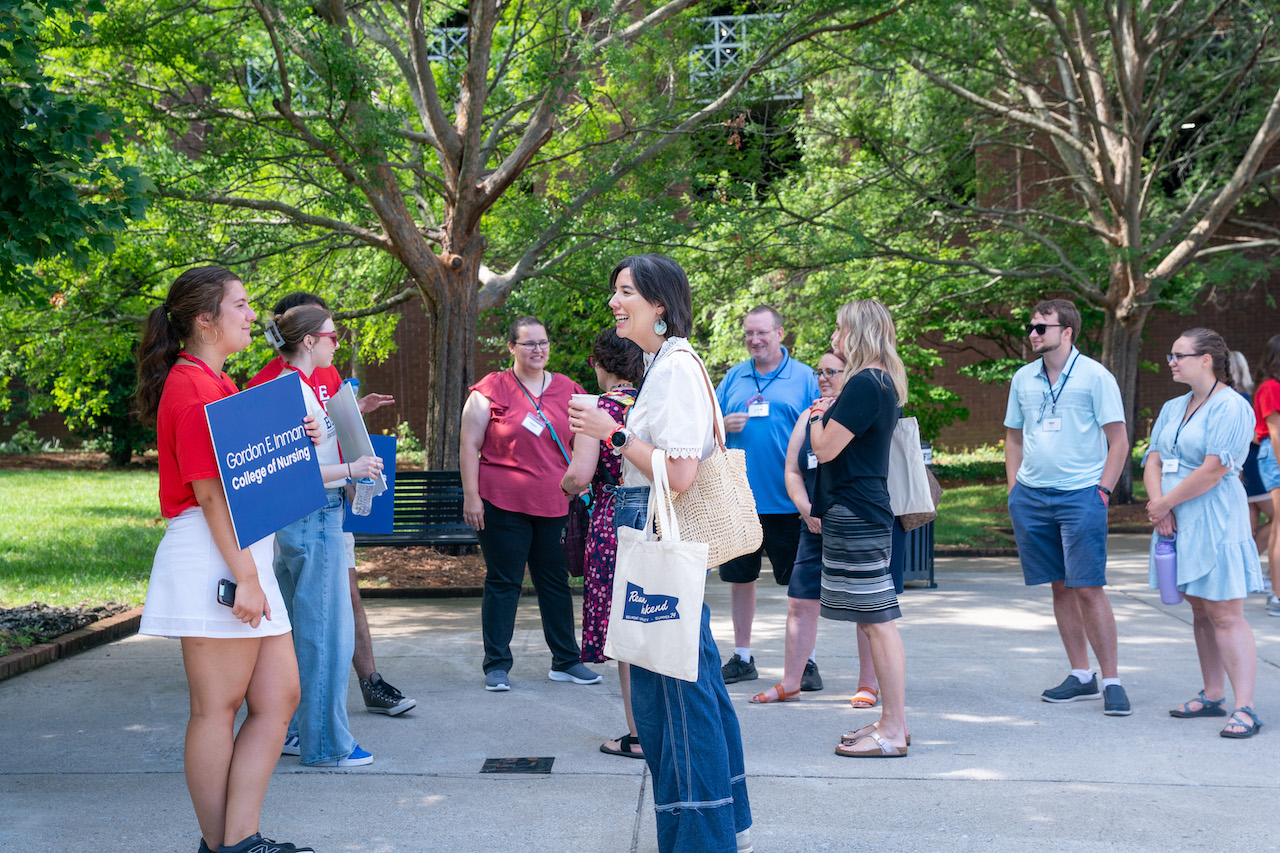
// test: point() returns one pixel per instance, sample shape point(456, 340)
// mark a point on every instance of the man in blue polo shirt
point(762, 399)
point(1065, 448)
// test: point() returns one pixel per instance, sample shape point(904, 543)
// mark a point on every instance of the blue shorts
point(1061, 535)
point(1268, 470)
point(806, 574)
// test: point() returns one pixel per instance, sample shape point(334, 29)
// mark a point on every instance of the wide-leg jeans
point(690, 736)
point(312, 570)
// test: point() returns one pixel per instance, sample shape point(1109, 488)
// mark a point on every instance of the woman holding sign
point(512, 455)
point(689, 731)
point(311, 566)
point(236, 654)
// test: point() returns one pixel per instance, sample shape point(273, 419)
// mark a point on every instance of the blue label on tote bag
point(648, 608)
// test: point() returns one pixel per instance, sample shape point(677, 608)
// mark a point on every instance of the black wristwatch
point(619, 439)
point(1103, 488)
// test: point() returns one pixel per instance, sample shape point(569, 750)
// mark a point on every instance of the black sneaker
point(739, 670)
point(381, 698)
point(1072, 690)
point(1115, 702)
point(257, 844)
point(811, 680)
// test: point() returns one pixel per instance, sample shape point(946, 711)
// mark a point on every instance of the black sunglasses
point(1039, 328)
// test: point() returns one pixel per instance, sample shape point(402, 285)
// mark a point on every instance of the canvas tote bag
point(656, 617)
point(719, 508)
point(911, 496)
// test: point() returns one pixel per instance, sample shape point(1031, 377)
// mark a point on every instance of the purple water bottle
point(1167, 570)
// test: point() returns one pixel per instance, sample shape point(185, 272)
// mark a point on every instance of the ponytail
point(196, 292)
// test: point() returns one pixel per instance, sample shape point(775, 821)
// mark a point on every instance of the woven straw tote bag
point(719, 508)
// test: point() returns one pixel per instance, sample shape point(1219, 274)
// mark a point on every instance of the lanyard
point(538, 408)
point(756, 376)
point(1187, 419)
point(1049, 395)
point(207, 369)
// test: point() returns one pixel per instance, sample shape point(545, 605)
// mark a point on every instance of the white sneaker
point(1273, 605)
point(292, 746)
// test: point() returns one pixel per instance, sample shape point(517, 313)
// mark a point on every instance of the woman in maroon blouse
point(513, 452)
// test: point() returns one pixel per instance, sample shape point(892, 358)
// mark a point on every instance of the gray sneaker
point(739, 670)
point(381, 698)
point(1072, 690)
point(1273, 605)
point(577, 673)
point(811, 680)
point(496, 680)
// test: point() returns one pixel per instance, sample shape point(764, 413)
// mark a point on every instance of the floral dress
point(602, 540)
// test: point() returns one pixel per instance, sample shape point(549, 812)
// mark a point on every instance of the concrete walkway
point(93, 757)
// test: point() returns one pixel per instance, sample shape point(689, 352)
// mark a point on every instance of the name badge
point(1169, 466)
point(1053, 424)
point(758, 410)
point(813, 460)
point(534, 424)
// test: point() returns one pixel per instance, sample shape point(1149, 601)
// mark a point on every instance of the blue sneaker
point(496, 681)
point(292, 746)
point(357, 758)
point(257, 844)
point(577, 673)
point(1073, 690)
point(1115, 701)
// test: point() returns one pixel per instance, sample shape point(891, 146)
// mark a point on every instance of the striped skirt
point(856, 583)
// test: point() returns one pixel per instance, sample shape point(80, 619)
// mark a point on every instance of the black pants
point(508, 541)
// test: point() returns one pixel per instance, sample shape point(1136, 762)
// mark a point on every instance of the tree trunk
point(1121, 339)
point(453, 321)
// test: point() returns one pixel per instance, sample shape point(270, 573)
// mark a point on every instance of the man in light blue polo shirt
point(1065, 448)
point(762, 399)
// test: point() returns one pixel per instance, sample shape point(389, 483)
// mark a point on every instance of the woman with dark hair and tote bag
point(688, 730)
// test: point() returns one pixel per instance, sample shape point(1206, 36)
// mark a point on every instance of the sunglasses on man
point(1039, 328)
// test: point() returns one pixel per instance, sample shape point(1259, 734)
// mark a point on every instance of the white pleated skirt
point(182, 593)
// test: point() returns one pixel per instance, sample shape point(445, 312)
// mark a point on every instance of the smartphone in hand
point(227, 592)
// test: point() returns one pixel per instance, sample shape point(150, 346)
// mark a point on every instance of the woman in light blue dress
point(1192, 475)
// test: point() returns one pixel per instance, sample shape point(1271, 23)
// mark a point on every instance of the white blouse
point(675, 408)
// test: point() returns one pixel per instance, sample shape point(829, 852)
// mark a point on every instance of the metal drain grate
point(517, 765)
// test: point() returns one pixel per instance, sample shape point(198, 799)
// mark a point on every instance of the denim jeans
point(508, 541)
point(312, 570)
point(691, 739)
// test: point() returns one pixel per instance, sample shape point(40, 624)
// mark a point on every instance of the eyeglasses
point(1039, 328)
point(748, 336)
point(532, 346)
point(331, 335)
point(827, 372)
point(1174, 357)
point(591, 361)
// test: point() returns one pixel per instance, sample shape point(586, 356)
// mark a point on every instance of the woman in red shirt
point(512, 454)
point(232, 655)
point(1266, 413)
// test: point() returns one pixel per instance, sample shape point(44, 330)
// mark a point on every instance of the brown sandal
point(783, 696)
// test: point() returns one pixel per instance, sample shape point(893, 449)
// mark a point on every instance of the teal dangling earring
point(660, 327)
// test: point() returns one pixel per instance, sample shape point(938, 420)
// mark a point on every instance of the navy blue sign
point(270, 472)
point(653, 607)
point(380, 518)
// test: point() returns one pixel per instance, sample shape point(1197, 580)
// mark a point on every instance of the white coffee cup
point(585, 400)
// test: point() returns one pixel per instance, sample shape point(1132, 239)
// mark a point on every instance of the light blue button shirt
point(1083, 400)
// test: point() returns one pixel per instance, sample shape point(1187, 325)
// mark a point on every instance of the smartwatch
point(619, 439)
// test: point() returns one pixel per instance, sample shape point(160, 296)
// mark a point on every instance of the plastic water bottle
point(363, 503)
point(1167, 570)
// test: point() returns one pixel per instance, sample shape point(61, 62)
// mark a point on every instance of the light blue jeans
point(691, 739)
point(312, 571)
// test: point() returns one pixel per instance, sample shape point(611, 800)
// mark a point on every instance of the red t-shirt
point(325, 381)
point(1266, 401)
point(520, 471)
point(182, 434)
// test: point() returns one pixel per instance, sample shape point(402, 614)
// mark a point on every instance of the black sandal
point(624, 743)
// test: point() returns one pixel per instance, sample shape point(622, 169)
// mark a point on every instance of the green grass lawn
point(968, 514)
point(74, 537)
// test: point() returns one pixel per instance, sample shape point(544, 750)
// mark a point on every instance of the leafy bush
point(25, 440)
